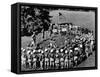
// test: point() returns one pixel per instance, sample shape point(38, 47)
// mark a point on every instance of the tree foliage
point(34, 19)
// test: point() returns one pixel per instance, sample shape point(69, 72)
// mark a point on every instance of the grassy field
point(89, 62)
point(26, 40)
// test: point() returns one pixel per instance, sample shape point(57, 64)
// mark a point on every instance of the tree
point(34, 19)
point(45, 18)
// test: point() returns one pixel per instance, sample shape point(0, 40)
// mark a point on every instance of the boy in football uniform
point(46, 59)
point(34, 61)
point(41, 59)
point(61, 57)
point(51, 58)
point(66, 59)
point(56, 61)
point(70, 58)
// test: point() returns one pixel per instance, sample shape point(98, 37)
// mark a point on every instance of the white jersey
point(92, 42)
point(54, 30)
point(75, 57)
point(57, 60)
point(46, 59)
point(34, 59)
point(51, 59)
point(64, 29)
point(23, 60)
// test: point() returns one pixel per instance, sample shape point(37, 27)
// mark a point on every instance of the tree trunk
point(43, 34)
